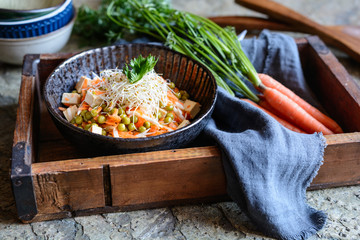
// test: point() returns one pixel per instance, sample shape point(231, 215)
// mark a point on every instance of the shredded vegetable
point(113, 105)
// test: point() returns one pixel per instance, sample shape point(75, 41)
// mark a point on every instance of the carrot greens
point(198, 37)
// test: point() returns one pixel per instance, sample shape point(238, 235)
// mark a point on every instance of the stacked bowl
point(34, 26)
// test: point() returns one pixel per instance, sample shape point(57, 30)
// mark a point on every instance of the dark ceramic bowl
point(185, 72)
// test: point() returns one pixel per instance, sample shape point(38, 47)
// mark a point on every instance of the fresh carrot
point(140, 122)
point(325, 120)
point(265, 104)
point(293, 112)
point(172, 97)
point(84, 106)
point(280, 120)
point(83, 94)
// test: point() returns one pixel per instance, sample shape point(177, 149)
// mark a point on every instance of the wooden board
point(52, 179)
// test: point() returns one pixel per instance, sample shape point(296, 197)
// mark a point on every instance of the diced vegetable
point(117, 107)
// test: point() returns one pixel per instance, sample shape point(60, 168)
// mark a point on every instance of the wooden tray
point(51, 179)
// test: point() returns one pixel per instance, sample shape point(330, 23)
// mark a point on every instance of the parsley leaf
point(140, 67)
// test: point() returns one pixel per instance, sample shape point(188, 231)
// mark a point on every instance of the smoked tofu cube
point(70, 112)
point(92, 99)
point(183, 124)
point(69, 99)
point(83, 82)
point(192, 108)
point(96, 129)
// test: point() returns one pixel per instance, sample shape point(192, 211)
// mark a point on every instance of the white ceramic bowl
point(13, 50)
point(14, 10)
point(39, 25)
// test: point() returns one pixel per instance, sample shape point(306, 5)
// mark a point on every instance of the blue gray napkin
point(267, 166)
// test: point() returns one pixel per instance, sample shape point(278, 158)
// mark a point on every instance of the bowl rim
point(60, 9)
point(144, 139)
point(33, 10)
point(57, 31)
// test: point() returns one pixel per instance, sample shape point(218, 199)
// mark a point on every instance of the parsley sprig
point(140, 67)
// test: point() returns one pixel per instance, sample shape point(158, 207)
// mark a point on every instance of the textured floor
point(209, 221)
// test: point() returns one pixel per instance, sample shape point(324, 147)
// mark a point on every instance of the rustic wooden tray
point(51, 179)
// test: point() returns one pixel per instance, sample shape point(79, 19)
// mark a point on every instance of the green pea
point(177, 94)
point(83, 112)
point(169, 108)
point(88, 116)
point(103, 132)
point(131, 127)
point(72, 121)
point(134, 119)
point(185, 96)
point(78, 120)
point(94, 124)
point(103, 106)
point(142, 129)
point(182, 92)
point(121, 127)
point(80, 127)
point(168, 120)
point(74, 91)
point(121, 111)
point(125, 120)
point(94, 113)
point(101, 119)
point(170, 115)
point(147, 125)
point(171, 85)
point(87, 126)
point(159, 115)
point(113, 110)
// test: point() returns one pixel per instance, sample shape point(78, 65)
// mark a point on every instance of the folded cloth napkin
point(267, 166)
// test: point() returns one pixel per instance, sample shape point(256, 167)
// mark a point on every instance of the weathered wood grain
point(62, 189)
point(167, 175)
point(68, 183)
point(345, 42)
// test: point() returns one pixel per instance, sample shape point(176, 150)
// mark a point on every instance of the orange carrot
point(280, 120)
point(84, 106)
point(263, 103)
point(172, 97)
point(83, 94)
point(293, 112)
point(140, 122)
point(325, 120)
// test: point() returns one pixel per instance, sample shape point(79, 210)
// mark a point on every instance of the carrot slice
point(325, 120)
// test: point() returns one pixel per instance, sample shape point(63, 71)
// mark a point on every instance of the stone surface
point(204, 221)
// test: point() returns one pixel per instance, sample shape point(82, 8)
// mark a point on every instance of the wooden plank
point(328, 78)
point(23, 151)
point(341, 162)
point(64, 188)
point(62, 176)
point(182, 174)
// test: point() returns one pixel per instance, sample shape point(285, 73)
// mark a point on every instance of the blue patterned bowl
point(39, 25)
point(16, 10)
point(185, 72)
